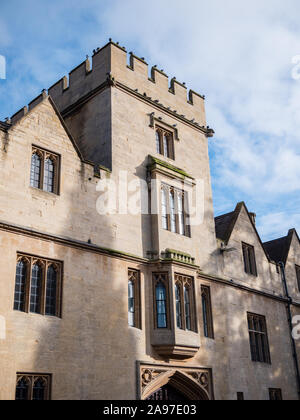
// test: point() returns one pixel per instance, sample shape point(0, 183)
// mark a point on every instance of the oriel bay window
point(38, 286)
point(44, 174)
point(174, 210)
point(165, 143)
point(185, 305)
point(134, 317)
point(33, 387)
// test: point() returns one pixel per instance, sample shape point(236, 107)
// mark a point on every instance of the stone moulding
point(176, 351)
point(195, 383)
point(172, 254)
point(160, 165)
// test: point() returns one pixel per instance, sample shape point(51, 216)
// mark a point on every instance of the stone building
point(116, 280)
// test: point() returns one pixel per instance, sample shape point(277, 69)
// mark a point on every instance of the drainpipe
point(289, 314)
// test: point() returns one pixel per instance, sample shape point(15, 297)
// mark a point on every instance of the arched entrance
point(173, 386)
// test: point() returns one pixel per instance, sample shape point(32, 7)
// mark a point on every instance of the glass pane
point(22, 390)
point(35, 174)
point(164, 209)
point(180, 213)
point(39, 389)
point(161, 308)
point(36, 289)
point(131, 304)
point(20, 287)
point(49, 175)
point(187, 309)
point(51, 291)
point(158, 143)
point(172, 212)
point(166, 149)
point(178, 306)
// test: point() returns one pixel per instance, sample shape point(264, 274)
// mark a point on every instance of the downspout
point(289, 314)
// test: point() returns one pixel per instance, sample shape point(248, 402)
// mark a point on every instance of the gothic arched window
point(49, 175)
point(36, 289)
point(39, 390)
point(185, 303)
point(165, 143)
point(178, 306)
point(44, 173)
point(35, 174)
point(22, 389)
point(31, 387)
point(20, 286)
point(51, 291)
point(187, 306)
point(161, 296)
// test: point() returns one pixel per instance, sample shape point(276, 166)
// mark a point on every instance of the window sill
point(38, 191)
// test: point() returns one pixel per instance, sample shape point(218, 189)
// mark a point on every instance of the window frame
point(44, 265)
point(249, 257)
point(208, 321)
point(259, 348)
point(160, 135)
point(31, 378)
point(161, 277)
point(135, 277)
point(45, 154)
point(167, 191)
point(184, 283)
point(275, 392)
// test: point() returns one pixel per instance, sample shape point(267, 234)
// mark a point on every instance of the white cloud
point(237, 53)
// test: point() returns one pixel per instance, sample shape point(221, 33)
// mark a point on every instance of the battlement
point(109, 65)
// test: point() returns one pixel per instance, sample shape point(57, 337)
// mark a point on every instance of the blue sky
point(239, 54)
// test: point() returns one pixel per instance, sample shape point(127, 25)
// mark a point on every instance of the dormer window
point(165, 143)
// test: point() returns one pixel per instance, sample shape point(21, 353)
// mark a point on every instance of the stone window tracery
point(44, 172)
point(38, 286)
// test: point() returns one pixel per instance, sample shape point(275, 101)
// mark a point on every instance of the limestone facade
point(102, 123)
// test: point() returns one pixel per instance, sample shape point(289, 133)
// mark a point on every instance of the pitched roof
point(4, 126)
point(278, 249)
point(223, 223)
point(226, 222)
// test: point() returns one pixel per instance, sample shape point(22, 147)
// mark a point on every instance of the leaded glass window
point(36, 289)
point(22, 390)
point(33, 387)
point(44, 173)
point(49, 175)
point(165, 143)
point(38, 285)
point(20, 286)
point(51, 290)
point(161, 305)
point(35, 175)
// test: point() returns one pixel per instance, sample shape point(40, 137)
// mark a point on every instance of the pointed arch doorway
point(165, 384)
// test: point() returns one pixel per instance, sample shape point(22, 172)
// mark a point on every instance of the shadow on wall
point(91, 351)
